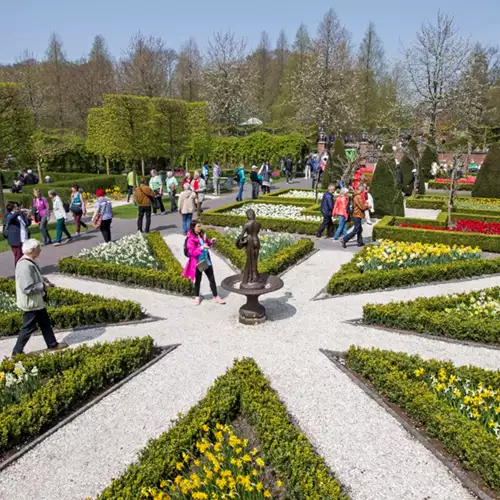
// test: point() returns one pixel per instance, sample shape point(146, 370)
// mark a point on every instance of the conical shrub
point(333, 170)
point(429, 156)
point(487, 183)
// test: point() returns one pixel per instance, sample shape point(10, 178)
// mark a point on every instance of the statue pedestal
point(253, 312)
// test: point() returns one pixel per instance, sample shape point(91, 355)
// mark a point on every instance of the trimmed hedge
point(445, 186)
point(387, 229)
point(392, 374)
point(217, 217)
point(427, 202)
point(429, 315)
point(70, 378)
point(276, 264)
point(349, 280)
point(243, 390)
point(487, 183)
point(169, 277)
point(70, 309)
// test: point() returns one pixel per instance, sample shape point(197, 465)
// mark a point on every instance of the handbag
point(97, 220)
point(202, 266)
point(76, 209)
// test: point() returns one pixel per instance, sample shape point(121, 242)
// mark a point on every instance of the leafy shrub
point(487, 184)
point(334, 167)
point(86, 371)
point(242, 390)
point(386, 192)
point(462, 186)
point(407, 165)
point(429, 156)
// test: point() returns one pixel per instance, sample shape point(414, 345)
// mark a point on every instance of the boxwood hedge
point(392, 374)
point(69, 309)
point(244, 391)
point(462, 186)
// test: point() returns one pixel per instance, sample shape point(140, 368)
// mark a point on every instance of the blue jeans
point(342, 228)
point(186, 222)
point(356, 231)
point(239, 197)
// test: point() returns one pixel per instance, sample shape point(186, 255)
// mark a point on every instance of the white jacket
point(58, 208)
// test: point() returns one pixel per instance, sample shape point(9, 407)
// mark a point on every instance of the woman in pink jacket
point(199, 262)
point(340, 211)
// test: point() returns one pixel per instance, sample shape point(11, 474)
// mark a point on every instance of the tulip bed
point(65, 381)
point(166, 274)
point(467, 316)
point(462, 204)
point(462, 226)
point(424, 263)
point(295, 194)
point(67, 309)
point(459, 406)
point(242, 392)
point(463, 184)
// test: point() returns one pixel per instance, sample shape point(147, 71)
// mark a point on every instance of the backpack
point(186, 252)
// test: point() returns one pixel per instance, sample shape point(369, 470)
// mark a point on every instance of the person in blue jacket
point(240, 176)
point(327, 204)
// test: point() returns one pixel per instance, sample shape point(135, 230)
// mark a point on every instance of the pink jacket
point(340, 207)
point(194, 251)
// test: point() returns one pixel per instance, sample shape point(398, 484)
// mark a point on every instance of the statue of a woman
point(249, 239)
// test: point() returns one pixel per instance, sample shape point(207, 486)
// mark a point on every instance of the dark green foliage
point(392, 374)
point(70, 309)
point(429, 156)
point(429, 202)
point(386, 192)
point(70, 378)
point(335, 165)
point(487, 183)
point(429, 315)
point(445, 186)
point(421, 184)
point(243, 390)
point(408, 163)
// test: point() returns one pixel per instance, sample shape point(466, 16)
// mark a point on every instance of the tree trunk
point(452, 192)
point(107, 166)
point(39, 169)
point(143, 169)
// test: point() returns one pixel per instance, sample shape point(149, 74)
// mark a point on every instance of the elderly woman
point(199, 187)
point(31, 292)
point(103, 214)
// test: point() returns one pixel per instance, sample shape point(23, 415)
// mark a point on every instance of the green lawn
point(130, 211)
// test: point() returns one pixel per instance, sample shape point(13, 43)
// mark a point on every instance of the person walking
point(31, 292)
point(78, 208)
point(327, 203)
point(216, 176)
point(368, 200)
point(254, 178)
point(60, 215)
point(265, 172)
point(199, 261)
point(16, 227)
point(308, 169)
point(103, 215)
point(199, 188)
point(41, 213)
point(171, 184)
point(340, 210)
point(156, 184)
point(239, 176)
point(205, 171)
point(186, 207)
point(289, 169)
point(357, 216)
point(132, 183)
point(144, 197)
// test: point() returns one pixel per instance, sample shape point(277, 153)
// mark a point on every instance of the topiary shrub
point(407, 165)
point(333, 171)
point(387, 195)
point(487, 183)
point(429, 156)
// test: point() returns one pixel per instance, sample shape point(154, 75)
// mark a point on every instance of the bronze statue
point(249, 239)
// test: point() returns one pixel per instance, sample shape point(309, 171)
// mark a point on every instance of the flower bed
point(60, 382)
point(300, 194)
point(242, 391)
point(466, 180)
point(467, 204)
point(466, 316)
point(274, 211)
point(455, 405)
point(67, 309)
point(351, 279)
point(462, 226)
point(278, 251)
point(166, 276)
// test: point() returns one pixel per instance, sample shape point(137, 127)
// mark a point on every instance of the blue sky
point(27, 24)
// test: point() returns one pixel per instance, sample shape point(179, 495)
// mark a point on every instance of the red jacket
point(340, 207)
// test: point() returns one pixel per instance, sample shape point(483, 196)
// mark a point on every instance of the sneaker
point(219, 300)
point(343, 243)
point(164, 213)
point(197, 301)
point(57, 244)
point(59, 346)
point(77, 235)
point(361, 244)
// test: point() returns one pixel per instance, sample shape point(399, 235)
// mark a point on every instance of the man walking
point(289, 169)
point(358, 215)
point(327, 209)
point(156, 184)
point(240, 178)
point(31, 292)
point(216, 175)
point(144, 197)
point(171, 183)
point(132, 183)
point(60, 215)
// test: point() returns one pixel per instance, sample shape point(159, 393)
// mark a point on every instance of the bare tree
point(282, 53)
point(188, 73)
point(434, 64)
point(302, 47)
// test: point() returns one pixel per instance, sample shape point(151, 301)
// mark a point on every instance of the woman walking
point(186, 207)
point(265, 172)
point(17, 223)
point(254, 179)
point(60, 215)
point(103, 215)
point(41, 213)
point(78, 208)
point(340, 211)
point(199, 261)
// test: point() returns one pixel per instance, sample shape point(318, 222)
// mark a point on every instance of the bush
point(407, 165)
point(70, 309)
point(168, 278)
point(69, 379)
point(429, 315)
point(334, 169)
point(445, 186)
point(392, 375)
point(428, 202)
point(243, 390)
point(386, 192)
point(429, 156)
point(487, 183)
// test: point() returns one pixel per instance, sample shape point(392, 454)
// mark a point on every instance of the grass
point(130, 211)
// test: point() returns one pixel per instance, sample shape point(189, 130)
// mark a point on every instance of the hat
point(254, 167)
point(414, 171)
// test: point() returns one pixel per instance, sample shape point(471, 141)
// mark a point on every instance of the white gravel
point(372, 454)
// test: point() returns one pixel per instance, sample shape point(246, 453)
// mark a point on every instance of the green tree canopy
point(408, 163)
point(487, 184)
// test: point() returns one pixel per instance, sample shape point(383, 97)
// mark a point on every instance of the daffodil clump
point(476, 203)
point(224, 467)
point(270, 243)
point(475, 401)
point(387, 254)
point(486, 304)
point(7, 302)
point(15, 383)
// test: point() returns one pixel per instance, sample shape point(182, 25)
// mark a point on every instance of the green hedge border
point(72, 377)
point(433, 202)
point(276, 264)
point(391, 374)
point(349, 280)
point(243, 390)
point(276, 195)
point(72, 309)
point(428, 315)
point(169, 277)
point(386, 229)
point(443, 186)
